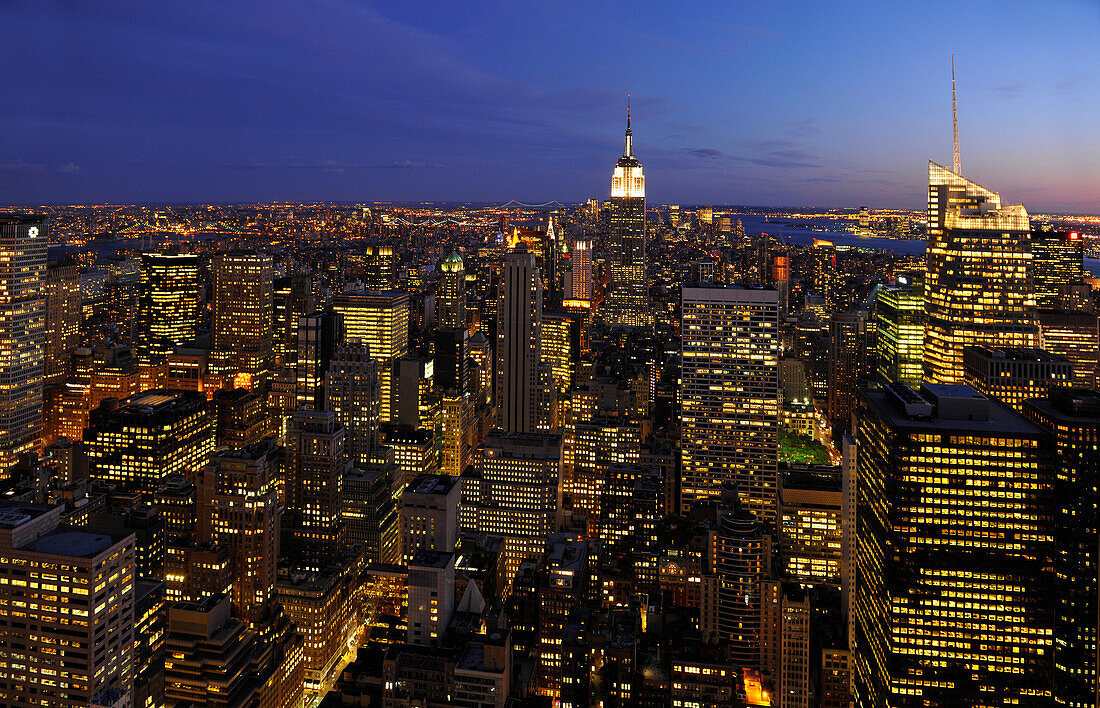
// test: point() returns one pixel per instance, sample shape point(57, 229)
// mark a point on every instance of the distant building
point(1012, 375)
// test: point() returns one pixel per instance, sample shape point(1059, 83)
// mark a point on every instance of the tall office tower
point(429, 514)
point(149, 437)
point(955, 507)
point(318, 333)
point(22, 335)
point(415, 393)
point(811, 525)
point(628, 293)
point(452, 361)
point(1074, 336)
point(1057, 260)
point(431, 596)
point(370, 513)
point(781, 279)
point(729, 395)
point(238, 509)
point(1073, 415)
point(847, 345)
point(785, 643)
point(580, 280)
point(519, 343)
point(450, 308)
point(63, 315)
point(561, 348)
point(242, 322)
point(168, 306)
point(865, 217)
point(1012, 376)
point(315, 469)
point(456, 415)
point(899, 340)
point(351, 392)
point(978, 288)
point(823, 270)
point(292, 298)
point(381, 321)
point(733, 568)
point(513, 490)
point(72, 641)
point(379, 267)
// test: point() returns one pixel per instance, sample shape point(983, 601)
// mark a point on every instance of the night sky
point(761, 103)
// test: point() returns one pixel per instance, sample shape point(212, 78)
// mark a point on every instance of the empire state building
point(627, 300)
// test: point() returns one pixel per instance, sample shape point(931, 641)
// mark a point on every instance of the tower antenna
point(954, 117)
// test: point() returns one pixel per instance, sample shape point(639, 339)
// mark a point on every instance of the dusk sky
point(761, 103)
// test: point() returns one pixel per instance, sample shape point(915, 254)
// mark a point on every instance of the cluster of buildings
point(580, 459)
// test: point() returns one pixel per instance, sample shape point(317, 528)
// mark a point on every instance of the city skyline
point(774, 106)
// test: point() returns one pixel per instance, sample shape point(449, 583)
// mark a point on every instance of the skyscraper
point(846, 359)
point(242, 315)
point(954, 546)
point(379, 319)
point(450, 306)
point(1013, 376)
point(63, 315)
point(627, 300)
point(1073, 415)
point(519, 343)
point(1058, 262)
point(899, 340)
point(978, 288)
point(22, 334)
point(351, 392)
point(169, 302)
point(316, 467)
point(580, 278)
point(730, 395)
point(238, 509)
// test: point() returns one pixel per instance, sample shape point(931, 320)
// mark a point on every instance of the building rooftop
point(76, 541)
point(440, 484)
point(1017, 354)
point(947, 407)
point(432, 559)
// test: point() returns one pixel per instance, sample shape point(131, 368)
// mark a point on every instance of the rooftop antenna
point(955, 117)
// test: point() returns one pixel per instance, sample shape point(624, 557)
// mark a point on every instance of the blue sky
point(826, 104)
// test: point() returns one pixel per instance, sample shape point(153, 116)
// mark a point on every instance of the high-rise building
point(823, 264)
point(580, 277)
point(431, 596)
point(379, 319)
point(519, 343)
point(513, 490)
point(63, 315)
point(1073, 416)
point(450, 308)
point(22, 335)
point(978, 288)
point(627, 300)
point(729, 395)
point(847, 349)
point(1057, 262)
point(733, 568)
point(318, 333)
point(811, 525)
point(67, 632)
point(1074, 336)
point(954, 545)
point(148, 438)
point(238, 509)
point(351, 392)
point(429, 514)
point(242, 338)
point(315, 471)
point(240, 417)
point(452, 361)
point(379, 267)
point(370, 513)
point(1012, 376)
point(899, 339)
point(168, 305)
point(292, 298)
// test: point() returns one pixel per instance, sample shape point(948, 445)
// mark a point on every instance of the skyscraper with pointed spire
point(979, 289)
point(627, 300)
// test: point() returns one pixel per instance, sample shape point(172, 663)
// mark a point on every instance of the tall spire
point(954, 118)
point(629, 149)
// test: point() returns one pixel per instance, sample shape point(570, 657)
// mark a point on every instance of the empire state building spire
point(628, 151)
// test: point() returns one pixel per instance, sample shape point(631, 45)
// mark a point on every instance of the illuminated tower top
point(628, 180)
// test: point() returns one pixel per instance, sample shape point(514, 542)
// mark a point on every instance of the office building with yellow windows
point(379, 319)
point(979, 287)
point(899, 341)
point(148, 438)
point(168, 306)
point(1013, 375)
point(242, 307)
point(954, 550)
point(729, 391)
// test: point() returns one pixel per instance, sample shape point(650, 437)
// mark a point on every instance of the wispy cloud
point(335, 166)
point(70, 169)
point(21, 167)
